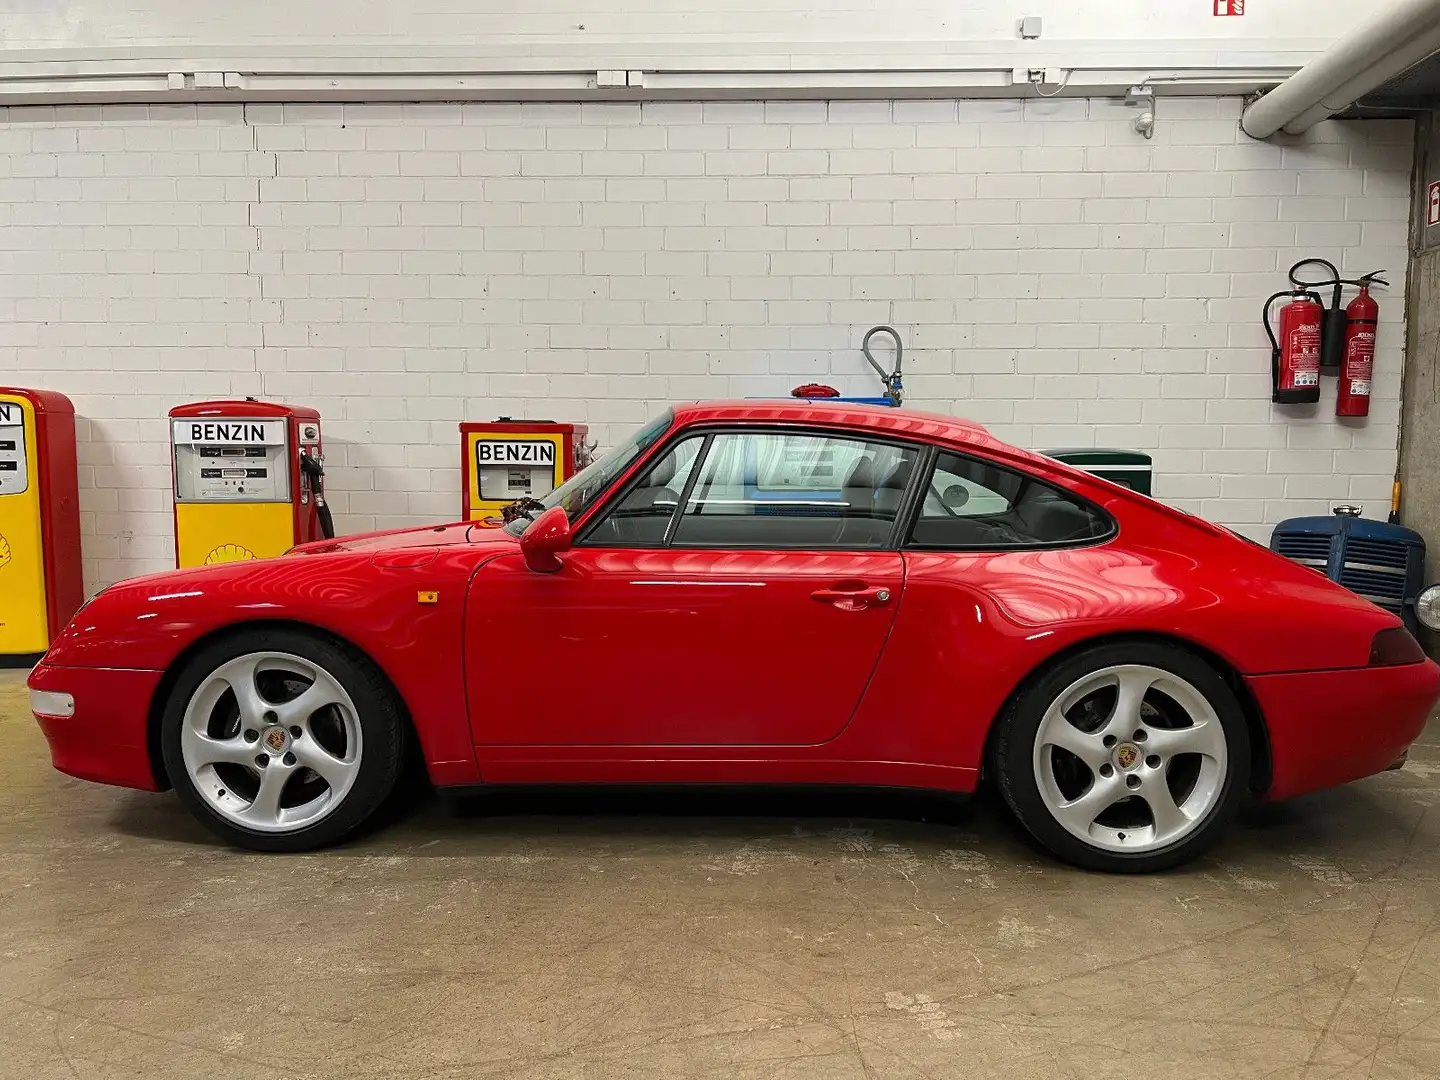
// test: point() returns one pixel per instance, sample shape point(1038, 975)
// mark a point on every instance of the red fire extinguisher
point(1352, 397)
point(1295, 353)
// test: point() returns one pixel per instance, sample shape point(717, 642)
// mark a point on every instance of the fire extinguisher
point(1295, 353)
point(1352, 397)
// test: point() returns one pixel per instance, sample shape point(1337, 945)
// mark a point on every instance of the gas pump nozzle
point(314, 472)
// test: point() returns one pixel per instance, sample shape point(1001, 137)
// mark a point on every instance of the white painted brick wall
point(404, 268)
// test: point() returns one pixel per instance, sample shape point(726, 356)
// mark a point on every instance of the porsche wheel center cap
point(1126, 755)
point(276, 740)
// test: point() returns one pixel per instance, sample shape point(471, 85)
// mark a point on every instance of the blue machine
point(1384, 563)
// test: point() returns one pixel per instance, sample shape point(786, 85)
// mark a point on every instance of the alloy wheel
point(271, 741)
point(1130, 758)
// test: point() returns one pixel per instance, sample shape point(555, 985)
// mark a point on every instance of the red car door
point(756, 617)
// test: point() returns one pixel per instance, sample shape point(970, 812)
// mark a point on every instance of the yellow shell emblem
point(228, 553)
point(4, 551)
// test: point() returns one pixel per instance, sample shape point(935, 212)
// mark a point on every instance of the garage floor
point(707, 935)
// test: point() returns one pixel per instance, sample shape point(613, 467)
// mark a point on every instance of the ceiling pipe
point(1373, 53)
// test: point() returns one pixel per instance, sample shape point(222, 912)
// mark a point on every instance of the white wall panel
point(404, 267)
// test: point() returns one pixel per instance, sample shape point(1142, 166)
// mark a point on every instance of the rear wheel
point(1126, 757)
point(278, 740)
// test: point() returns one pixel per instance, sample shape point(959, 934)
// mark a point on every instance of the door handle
point(854, 597)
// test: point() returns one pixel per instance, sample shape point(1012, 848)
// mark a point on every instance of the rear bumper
point(105, 741)
point(1331, 727)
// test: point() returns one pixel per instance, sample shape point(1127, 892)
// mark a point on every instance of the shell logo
point(228, 553)
point(4, 551)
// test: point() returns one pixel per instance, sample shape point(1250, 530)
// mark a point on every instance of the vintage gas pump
point(249, 480)
point(41, 578)
point(508, 460)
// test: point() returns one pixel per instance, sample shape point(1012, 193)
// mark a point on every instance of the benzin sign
point(514, 452)
point(10, 414)
point(229, 432)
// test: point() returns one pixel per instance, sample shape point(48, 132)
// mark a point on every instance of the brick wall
point(402, 268)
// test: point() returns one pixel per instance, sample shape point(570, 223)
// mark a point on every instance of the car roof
point(879, 418)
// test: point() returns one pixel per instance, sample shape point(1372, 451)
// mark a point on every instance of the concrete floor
point(831, 936)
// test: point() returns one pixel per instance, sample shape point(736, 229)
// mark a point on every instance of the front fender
point(409, 620)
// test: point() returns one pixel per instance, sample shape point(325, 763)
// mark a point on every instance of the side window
point(972, 504)
point(641, 518)
point(795, 491)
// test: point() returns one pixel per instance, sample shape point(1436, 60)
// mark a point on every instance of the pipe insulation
point(1396, 39)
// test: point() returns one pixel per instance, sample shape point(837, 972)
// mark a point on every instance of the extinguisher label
point(1360, 362)
point(1304, 354)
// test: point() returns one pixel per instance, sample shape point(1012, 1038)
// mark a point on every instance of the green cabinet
point(1128, 467)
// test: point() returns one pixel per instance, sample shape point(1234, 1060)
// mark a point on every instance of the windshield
point(581, 490)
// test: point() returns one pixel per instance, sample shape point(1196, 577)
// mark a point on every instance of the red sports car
point(756, 592)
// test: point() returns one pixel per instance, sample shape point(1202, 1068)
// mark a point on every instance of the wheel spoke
point(1079, 814)
point(1170, 820)
point(332, 769)
point(322, 692)
point(240, 675)
point(1129, 696)
point(1058, 731)
point(265, 808)
point(1202, 737)
point(204, 750)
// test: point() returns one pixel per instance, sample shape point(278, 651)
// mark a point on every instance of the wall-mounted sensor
point(1030, 27)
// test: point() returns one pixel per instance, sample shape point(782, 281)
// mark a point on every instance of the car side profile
point(756, 592)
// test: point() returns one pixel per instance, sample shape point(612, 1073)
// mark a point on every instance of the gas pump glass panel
point(14, 460)
point(581, 491)
point(516, 468)
point(231, 461)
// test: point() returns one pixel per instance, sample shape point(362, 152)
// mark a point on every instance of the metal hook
point(894, 390)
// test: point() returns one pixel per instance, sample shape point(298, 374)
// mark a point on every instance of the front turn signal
point(1394, 647)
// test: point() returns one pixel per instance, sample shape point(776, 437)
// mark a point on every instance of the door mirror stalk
point(545, 540)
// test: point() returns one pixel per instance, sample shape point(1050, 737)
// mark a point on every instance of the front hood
point(464, 532)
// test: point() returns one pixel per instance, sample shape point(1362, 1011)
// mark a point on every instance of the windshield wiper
point(522, 507)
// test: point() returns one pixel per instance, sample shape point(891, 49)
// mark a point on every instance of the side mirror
point(547, 536)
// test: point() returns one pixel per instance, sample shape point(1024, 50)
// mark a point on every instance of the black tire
point(382, 728)
point(1013, 749)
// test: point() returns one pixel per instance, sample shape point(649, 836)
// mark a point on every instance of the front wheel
point(1124, 758)
point(278, 740)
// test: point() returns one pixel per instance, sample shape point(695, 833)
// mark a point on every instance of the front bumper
point(1331, 727)
point(106, 740)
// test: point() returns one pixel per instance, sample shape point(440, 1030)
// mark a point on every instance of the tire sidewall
point(380, 728)
point(1015, 749)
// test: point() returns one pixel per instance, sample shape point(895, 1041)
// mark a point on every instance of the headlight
point(1427, 608)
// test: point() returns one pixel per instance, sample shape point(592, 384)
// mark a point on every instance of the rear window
point(974, 504)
